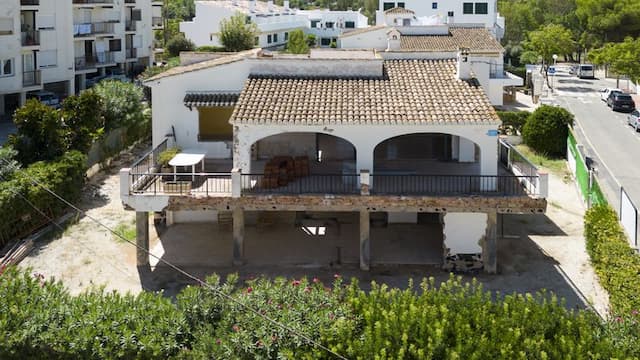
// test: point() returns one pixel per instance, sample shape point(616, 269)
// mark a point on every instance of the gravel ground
point(536, 252)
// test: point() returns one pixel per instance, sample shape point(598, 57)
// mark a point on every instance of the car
point(46, 97)
point(573, 70)
point(604, 93)
point(633, 119)
point(620, 101)
point(586, 71)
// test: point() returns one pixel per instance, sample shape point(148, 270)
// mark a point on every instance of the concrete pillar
point(71, 87)
point(490, 245)
point(23, 98)
point(364, 158)
point(236, 183)
point(455, 147)
point(102, 71)
point(2, 110)
point(466, 150)
point(365, 240)
point(241, 153)
point(238, 236)
point(543, 184)
point(83, 81)
point(142, 238)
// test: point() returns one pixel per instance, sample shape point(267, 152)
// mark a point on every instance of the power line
point(185, 273)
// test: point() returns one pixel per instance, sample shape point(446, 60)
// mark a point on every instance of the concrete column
point(71, 87)
point(23, 98)
point(238, 236)
point(142, 238)
point(102, 71)
point(490, 245)
point(2, 104)
point(455, 147)
point(543, 184)
point(241, 154)
point(83, 81)
point(466, 150)
point(236, 183)
point(365, 240)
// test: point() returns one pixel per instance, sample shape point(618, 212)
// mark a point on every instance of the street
point(613, 145)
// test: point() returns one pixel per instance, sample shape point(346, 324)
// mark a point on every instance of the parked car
point(46, 97)
point(620, 101)
point(116, 74)
point(586, 71)
point(633, 119)
point(604, 93)
point(573, 70)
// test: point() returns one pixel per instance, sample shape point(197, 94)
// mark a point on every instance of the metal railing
point(312, 184)
point(207, 184)
point(89, 29)
point(92, 1)
point(143, 169)
point(130, 25)
point(29, 2)
point(497, 71)
point(30, 38)
point(156, 21)
point(445, 185)
point(91, 61)
point(131, 53)
point(31, 78)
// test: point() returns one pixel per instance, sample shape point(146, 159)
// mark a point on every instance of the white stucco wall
point(316, 67)
point(374, 39)
point(463, 232)
point(10, 47)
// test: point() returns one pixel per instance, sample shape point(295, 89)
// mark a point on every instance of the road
point(607, 138)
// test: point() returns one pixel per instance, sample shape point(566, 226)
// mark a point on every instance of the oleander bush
point(452, 320)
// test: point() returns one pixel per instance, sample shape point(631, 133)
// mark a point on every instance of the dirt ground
point(535, 252)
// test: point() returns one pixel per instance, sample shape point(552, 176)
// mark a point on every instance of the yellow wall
point(214, 122)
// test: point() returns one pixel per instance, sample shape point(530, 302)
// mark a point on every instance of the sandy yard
point(535, 252)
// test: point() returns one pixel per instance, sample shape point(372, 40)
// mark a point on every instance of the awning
point(209, 99)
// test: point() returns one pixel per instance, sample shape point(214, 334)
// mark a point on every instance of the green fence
point(590, 190)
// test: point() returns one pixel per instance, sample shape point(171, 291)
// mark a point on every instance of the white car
point(604, 93)
point(633, 119)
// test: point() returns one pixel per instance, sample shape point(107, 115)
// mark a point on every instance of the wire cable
point(188, 275)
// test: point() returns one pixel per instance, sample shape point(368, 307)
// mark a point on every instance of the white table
point(187, 158)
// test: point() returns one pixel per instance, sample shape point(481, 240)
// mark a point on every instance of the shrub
point(297, 43)
point(237, 34)
point(210, 49)
point(311, 40)
point(513, 121)
point(167, 155)
point(83, 116)
point(122, 105)
point(547, 129)
point(7, 163)
point(179, 43)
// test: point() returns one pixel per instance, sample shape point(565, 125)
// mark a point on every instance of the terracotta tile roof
point(208, 99)
point(476, 39)
point(412, 92)
point(233, 57)
point(399, 10)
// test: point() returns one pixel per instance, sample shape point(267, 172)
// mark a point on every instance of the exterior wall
point(195, 216)
point(375, 39)
point(171, 112)
point(314, 67)
point(463, 232)
point(10, 47)
point(58, 39)
point(424, 9)
point(338, 18)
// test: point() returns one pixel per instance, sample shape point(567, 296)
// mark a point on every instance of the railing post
point(365, 182)
point(543, 184)
point(236, 182)
point(125, 183)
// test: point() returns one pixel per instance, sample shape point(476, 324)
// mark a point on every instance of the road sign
point(551, 70)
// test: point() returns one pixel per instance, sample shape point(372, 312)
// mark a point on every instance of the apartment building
point(274, 22)
point(462, 13)
point(57, 45)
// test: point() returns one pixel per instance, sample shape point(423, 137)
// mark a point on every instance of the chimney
point(286, 4)
point(464, 65)
point(393, 40)
point(252, 6)
point(270, 5)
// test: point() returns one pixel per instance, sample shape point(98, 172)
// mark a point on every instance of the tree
point(237, 33)
point(297, 43)
point(82, 115)
point(311, 40)
point(610, 20)
point(546, 130)
point(7, 163)
point(123, 106)
point(622, 58)
point(179, 43)
point(41, 134)
point(545, 42)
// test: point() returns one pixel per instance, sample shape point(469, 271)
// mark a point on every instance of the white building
point(274, 22)
point(385, 144)
point(461, 13)
point(439, 41)
point(56, 45)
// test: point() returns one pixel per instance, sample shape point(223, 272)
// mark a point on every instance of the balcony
point(92, 61)
point(92, 29)
point(130, 25)
point(29, 2)
point(156, 22)
point(130, 2)
point(31, 78)
point(30, 38)
point(92, 2)
point(131, 53)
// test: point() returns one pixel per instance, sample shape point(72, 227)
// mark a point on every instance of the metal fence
point(587, 183)
point(312, 184)
point(146, 165)
point(453, 185)
point(205, 184)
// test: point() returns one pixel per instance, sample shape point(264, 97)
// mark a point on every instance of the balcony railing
point(30, 38)
point(131, 53)
point(156, 21)
point(91, 61)
point(29, 2)
point(31, 78)
point(93, 1)
point(130, 25)
point(88, 29)
point(453, 185)
point(129, 1)
point(312, 184)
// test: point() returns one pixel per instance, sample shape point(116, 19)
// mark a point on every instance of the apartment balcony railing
point(31, 78)
point(129, 1)
point(130, 25)
point(92, 61)
point(89, 29)
point(30, 38)
point(156, 21)
point(92, 1)
point(29, 2)
point(131, 53)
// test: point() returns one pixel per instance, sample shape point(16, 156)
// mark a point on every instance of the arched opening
point(427, 154)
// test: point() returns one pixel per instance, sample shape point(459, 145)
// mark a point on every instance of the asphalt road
point(606, 137)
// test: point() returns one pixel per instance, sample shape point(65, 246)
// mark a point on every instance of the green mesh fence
point(594, 195)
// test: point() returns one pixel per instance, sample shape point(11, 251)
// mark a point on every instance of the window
point(325, 41)
point(482, 8)
point(388, 5)
point(434, 5)
point(314, 23)
point(286, 36)
point(349, 24)
point(115, 45)
point(450, 14)
point(136, 15)
point(401, 5)
point(406, 22)
point(328, 25)
point(467, 8)
point(6, 26)
point(275, 38)
point(6, 67)
point(268, 39)
point(47, 58)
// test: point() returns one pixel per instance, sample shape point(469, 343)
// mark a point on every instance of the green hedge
point(65, 176)
point(513, 121)
point(616, 264)
point(39, 319)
